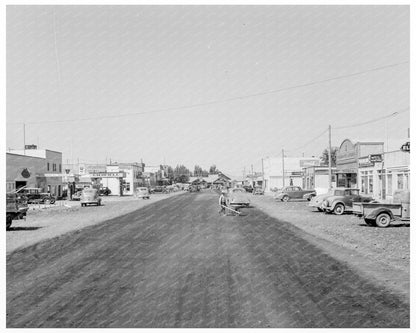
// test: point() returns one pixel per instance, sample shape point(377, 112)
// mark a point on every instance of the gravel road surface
point(177, 263)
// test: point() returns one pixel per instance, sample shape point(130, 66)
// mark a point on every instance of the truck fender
point(373, 215)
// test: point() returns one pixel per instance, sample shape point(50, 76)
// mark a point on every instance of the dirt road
point(177, 263)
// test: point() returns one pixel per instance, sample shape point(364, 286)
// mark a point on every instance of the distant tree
point(213, 170)
point(197, 171)
point(205, 173)
point(324, 156)
point(181, 174)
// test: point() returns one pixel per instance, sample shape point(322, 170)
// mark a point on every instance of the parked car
point(291, 192)
point(317, 200)
point(339, 204)
point(381, 214)
point(105, 191)
point(90, 196)
point(237, 197)
point(35, 196)
point(142, 192)
point(16, 208)
point(309, 196)
point(158, 189)
point(258, 191)
point(248, 188)
point(76, 196)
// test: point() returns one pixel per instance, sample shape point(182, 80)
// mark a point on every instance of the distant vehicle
point(76, 196)
point(309, 196)
point(381, 214)
point(258, 191)
point(317, 201)
point(339, 204)
point(142, 192)
point(248, 188)
point(16, 208)
point(158, 189)
point(90, 196)
point(238, 197)
point(291, 192)
point(105, 191)
point(35, 196)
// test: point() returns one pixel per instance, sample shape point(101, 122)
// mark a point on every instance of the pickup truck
point(381, 214)
point(16, 208)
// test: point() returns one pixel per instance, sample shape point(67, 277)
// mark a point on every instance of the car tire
point(383, 220)
point(285, 198)
point(319, 209)
point(9, 220)
point(339, 209)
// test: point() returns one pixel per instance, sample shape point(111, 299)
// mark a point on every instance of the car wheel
point(369, 222)
point(383, 220)
point(339, 209)
point(9, 220)
point(46, 201)
point(319, 209)
point(285, 198)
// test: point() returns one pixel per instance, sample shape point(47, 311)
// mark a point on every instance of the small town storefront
point(348, 157)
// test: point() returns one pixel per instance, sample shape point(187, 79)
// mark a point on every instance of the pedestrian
point(223, 203)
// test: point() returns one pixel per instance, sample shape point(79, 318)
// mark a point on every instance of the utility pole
point(24, 139)
point(283, 167)
point(252, 176)
point(262, 175)
point(329, 160)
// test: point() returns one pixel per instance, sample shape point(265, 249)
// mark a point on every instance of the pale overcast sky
point(207, 83)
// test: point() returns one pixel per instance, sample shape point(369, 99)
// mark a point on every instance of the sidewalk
point(48, 221)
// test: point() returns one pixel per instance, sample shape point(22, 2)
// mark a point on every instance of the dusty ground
point(178, 263)
point(44, 222)
point(381, 254)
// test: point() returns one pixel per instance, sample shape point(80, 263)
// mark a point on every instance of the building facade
point(280, 172)
point(348, 156)
point(45, 164)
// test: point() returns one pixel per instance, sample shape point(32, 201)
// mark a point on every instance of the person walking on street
point(222, 202)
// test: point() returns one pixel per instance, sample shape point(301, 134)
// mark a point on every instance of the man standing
point(222, 202)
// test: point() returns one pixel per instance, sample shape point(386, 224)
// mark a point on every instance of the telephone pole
point(329, 160)
point(283, 167)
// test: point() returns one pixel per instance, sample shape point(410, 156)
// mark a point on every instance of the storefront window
point(400, 181)
point(370, 184)
point(389, 184)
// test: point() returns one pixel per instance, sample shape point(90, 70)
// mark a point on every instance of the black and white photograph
point(207, 166)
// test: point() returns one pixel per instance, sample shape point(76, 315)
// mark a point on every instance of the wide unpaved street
point(177, 263)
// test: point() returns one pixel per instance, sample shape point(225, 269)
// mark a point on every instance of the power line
point(309, 142)
point(231, 99)
point(373, 120)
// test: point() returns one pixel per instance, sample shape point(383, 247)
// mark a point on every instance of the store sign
point(108, 175)
point(375, 158)
point(405, 147)
point(25, 173)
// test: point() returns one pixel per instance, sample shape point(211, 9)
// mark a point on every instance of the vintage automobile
point(381, 214)
point(309, 196)
point(16, 208)
point(90, 196)
point(237, 197)
point(35, 196)
point(317, 201)
point(258, 191)
point(76, 196)
point(339, 204)
point(105, 191)
point(142, 192)
point(248, 188)
point(291, 192)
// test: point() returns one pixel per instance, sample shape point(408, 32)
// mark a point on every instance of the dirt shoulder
point(45, 222)
point(379, 254)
